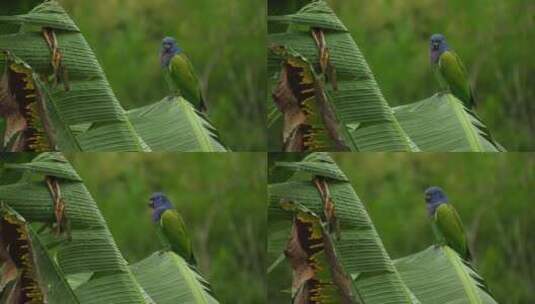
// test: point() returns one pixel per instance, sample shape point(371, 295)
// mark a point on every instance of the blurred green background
point(223, 39)
point(221, 196)
point(492, 193)
point(493, 38)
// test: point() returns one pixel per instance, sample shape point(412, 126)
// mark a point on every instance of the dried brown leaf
point(294, 118)
point(327, 68)
point(62, 222)
point(22, 106)
point(329, 209)
point(16, 245)
point(60, 72)
point(298, 258)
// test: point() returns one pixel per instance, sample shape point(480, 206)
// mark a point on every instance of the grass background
point(494, 40)
point(223, 39)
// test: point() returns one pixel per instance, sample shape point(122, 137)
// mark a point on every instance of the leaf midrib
point(196, 126)
point(460, 270)
point(466, 124)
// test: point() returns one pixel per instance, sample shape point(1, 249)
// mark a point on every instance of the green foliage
point(221, 39)
point(78, 242)
point(366, 265)
point(360, 112)
point(221, 197)
point(494, 42)
point(82, 113)
point(320, 189)
point(162, 274)
point(491, 192)
point(442, 123)
point(172, 124)
point(82, 97)
point(457, 283)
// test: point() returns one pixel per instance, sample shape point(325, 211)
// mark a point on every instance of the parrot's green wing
point(182, 78)
point(449, 224)
point(174, 230)
point(454, 73)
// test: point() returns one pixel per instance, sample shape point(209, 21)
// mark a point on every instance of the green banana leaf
point(85, 244)
point(81, 110)
point(41, 267)
point(76, 256)
point(363, 115)
point(59, 134)
point(442, 123)
point(163, 274)
point(357, 245)
point(173, 124)
point(82, 95)
point(437, 275)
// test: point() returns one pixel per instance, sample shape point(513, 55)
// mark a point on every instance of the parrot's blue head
point(434, 197)
point(159, 203)
point(169, 49)
point(437, 46)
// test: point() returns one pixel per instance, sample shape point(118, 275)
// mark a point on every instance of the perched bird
point(447, 224)
point(171, 227)
point(179, 73)
point(450, 70)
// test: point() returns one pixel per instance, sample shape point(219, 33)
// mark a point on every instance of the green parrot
point(447, 224)
point(450, 70)
point(171, 227)
point(180, 74)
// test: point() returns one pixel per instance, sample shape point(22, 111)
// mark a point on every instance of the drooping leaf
point(37, 277)
point(22, 107)
point(317, 276)
point(17, 250)
point(309, 122)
